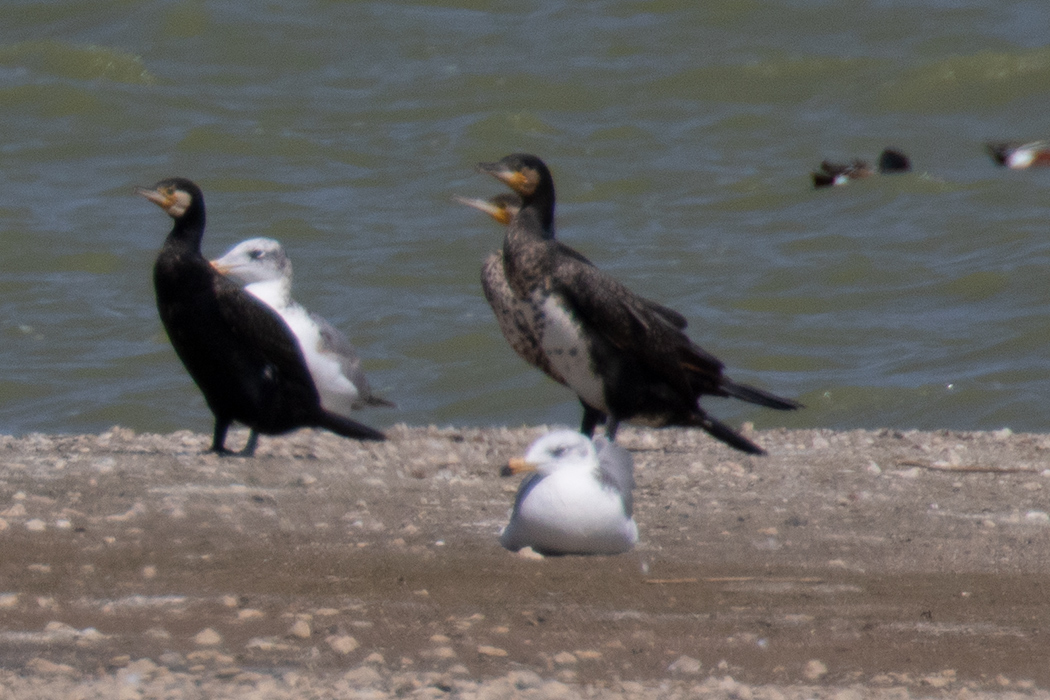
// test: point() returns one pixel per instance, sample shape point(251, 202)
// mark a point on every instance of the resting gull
point(576, 500)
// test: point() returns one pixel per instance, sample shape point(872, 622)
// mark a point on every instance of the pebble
point(814, 669)
point(300, 629)
point(734, 689)
point(59, 630)
point(565, 658)
point(43, 667)
point(142, 669)
point(440, 652)
point(18, 510)
point(120, 661)
point(207, 637)
point(937, 681)
point(362, 677)
point(685, 665)
point(344, 644)
point(264, 644)
point(485, 650)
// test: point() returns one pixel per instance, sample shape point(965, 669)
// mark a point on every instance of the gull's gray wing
point(616, 470)
point(333, 341)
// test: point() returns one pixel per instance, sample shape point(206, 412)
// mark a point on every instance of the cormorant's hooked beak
point(174, 202)
point(501, 214)
point(514, 179)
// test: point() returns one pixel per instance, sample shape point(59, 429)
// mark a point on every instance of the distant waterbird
point(1020, 156)
point(832, 174)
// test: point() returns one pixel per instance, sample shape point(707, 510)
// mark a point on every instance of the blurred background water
point(680, 133)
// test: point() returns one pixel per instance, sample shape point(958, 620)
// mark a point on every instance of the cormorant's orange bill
point(174, 201)
point(502, 207)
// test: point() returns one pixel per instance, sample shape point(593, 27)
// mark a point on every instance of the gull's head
point(563, 449)
point(255, 260)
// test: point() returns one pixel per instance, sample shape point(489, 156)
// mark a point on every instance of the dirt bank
point(875, 563)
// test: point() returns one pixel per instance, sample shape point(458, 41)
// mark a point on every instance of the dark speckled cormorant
point(625, 356)
point(242, 356)
point(514, 315)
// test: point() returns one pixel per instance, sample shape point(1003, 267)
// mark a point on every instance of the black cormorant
point(243, 357)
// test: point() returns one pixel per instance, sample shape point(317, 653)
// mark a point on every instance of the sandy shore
point(844, 564)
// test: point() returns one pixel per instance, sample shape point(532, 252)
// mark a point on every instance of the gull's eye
point(255, 254)
point(558, 451)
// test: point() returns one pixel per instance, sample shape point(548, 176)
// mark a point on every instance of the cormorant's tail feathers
point(722, 432)
point(757, 396)
point(348, 428)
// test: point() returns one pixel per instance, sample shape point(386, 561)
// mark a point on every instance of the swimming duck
point(830, 174)
point(1018, 156)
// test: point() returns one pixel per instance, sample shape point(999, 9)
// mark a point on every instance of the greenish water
point(681, 135)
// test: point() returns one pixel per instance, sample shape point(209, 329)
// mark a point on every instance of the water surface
point(680, 134)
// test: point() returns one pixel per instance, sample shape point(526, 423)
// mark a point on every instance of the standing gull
point(626, 357)
point(266, 271)
point(576, 500)
point(242, 356)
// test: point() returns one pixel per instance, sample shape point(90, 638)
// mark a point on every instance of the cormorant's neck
point(528, 224)
point(542, 203)
point(188, 230)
